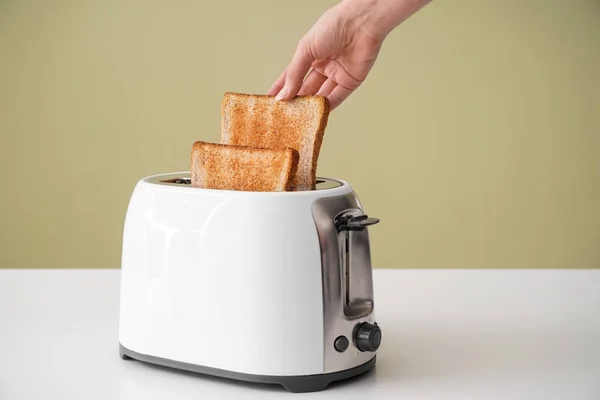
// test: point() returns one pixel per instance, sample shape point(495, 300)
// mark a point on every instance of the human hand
point(341, 48)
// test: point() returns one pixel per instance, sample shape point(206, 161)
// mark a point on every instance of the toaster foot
point(294, 384)
point(122, 353)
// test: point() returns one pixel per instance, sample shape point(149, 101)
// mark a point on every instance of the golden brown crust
point(260, 120)
point(246, 168)
point(319, 139)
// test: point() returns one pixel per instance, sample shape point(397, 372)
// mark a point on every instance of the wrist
point(378, 18)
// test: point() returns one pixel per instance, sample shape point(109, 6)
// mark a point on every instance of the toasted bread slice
point(229, 167)
point(262, 121)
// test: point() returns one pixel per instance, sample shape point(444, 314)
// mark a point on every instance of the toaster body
point(267, 287)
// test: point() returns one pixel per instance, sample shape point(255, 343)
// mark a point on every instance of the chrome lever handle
point(357, 223)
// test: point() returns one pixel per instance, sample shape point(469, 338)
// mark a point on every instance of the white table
point(497, 334)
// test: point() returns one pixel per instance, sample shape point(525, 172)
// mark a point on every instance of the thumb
point(296, 71)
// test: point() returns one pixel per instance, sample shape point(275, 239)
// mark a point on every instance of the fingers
point(296, 71)
point(327, 88)
point(338, 95)
point(312, 83)
point(335, 93)
point(317, 84)
point(276, 87)
point(297, 80)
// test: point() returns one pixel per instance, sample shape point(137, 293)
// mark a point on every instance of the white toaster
point(272, 287)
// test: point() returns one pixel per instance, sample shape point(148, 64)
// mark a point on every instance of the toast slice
point(229, 167)
point(263, 121)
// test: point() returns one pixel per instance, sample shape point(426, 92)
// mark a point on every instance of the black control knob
point(367, 337)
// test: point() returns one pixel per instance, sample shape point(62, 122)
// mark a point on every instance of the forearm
point(379, 17)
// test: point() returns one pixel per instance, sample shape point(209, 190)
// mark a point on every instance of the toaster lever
point(355, 223)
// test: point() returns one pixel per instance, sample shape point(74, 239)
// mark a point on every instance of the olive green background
point(476, 138)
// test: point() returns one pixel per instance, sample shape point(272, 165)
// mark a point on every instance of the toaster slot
point(178, 181)
point(184, 179)
point(355, 261)
point(345, 254)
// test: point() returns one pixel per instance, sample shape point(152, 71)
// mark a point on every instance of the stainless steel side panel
point(347, 301)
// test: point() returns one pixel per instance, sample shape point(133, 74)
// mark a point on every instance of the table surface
point(448, 334)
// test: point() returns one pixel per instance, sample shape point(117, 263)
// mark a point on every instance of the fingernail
point(282, 93)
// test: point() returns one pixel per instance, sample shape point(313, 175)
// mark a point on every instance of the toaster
point(269, 287)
